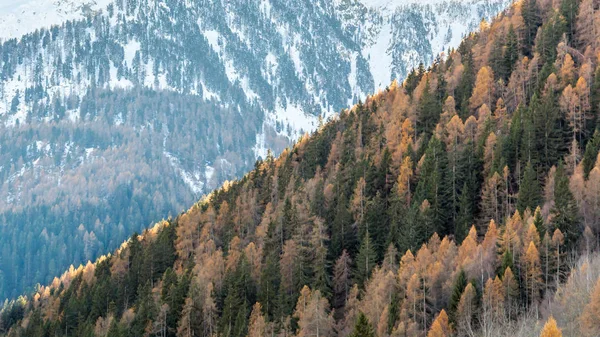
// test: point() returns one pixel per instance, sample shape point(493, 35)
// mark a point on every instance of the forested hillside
point(127, 111)
point(465, 201)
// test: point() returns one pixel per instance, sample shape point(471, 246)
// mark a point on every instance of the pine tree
point(569, 10)
point(511, 53)
point(365, 260)
point(530, 195)
point(565, 214)
point(465, 215)
point(363, 327)
point(538, 221)
point(457, 290)
point(591, 154)
point(432, 185)
point(532, 19)
point(429, 110)
point(343, 235)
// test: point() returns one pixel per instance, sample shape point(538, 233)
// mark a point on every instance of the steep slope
point(101, 115)
point(20, 17)
point(373, 213)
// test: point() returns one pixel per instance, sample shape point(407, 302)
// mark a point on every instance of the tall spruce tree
point(433, 184)
point(591, 154)
point(363, 327)
point(530, 195)
point(365, 260)
point(565, 214)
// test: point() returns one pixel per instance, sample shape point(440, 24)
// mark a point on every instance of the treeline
point(454, 204)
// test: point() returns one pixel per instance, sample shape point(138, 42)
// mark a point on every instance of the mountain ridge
point(78, 94)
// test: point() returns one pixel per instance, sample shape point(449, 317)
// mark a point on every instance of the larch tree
point(466, 311)
point(492, 305)
point(492, 196)
point(592, 199)
point(440, 326)
point(583, 92)
point(404, 180)
point(551, 329)
point(349, 314)
point(570, 104)
point(257, 326)
point(587, 25)
point(414, 298)
point(567, 70)
point(342, 279)
point(312, 312)
point(378, 294)
point(558, 240)
point(510, 286)
point(533, 274)
point(483, 92)
point(590, 319)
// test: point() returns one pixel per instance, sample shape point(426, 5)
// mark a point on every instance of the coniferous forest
point(464, 201)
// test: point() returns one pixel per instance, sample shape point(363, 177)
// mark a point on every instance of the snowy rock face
point(117, 112)
point(397, 35)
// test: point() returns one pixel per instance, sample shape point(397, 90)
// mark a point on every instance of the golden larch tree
point(440, 326)
point(551, 329)
point(533, 273)
point(483, 92)
point(590, 319)
point(257, 326)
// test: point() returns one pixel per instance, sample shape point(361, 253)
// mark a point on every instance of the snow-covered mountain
point(115, 111)
point(19, 17)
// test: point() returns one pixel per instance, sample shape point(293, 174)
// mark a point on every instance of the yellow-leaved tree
point(590, 319)
point(551, 329)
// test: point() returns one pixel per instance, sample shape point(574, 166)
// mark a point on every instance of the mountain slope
point(373, 213)
point(100, 116)
point(20, 17)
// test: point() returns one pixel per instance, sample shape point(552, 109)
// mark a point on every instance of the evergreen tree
point(565, 214)
point(377, 225)
point(460, 283)
point(511, 53)
point(365, 260)
point(568, 10)
point(343, 234)
point(363, 327)
point(432, 185)
point(429, 110)
point(239, 293)
point(532, 20)
point(530, 195)
point(269, 286)
point(591, 154)
point(551, 34)
point(465, 215)
point(538, 221)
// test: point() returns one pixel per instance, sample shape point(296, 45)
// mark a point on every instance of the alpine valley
point(114, 114)
point(463, 201)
